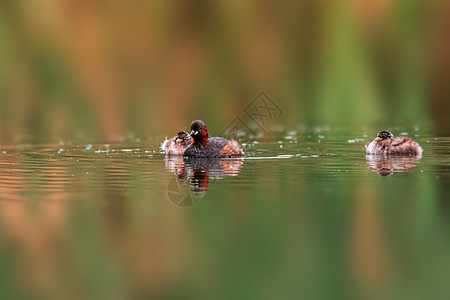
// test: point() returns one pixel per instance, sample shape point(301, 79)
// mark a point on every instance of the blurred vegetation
point(100, 227)
point(105, 68)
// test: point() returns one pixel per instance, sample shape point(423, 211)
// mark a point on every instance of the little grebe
point(385, 143)
point(178, 144)
point(215, 147)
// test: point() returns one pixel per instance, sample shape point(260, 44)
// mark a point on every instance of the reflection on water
point(198, 171)
point(304, 215)
point(386, 165)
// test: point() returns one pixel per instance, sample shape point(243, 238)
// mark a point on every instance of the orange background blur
point(106, 68)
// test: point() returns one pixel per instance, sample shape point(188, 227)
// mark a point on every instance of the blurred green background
point(81, 219)
point(106, 68)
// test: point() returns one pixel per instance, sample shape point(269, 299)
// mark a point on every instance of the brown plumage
point(385, 143)
point(177, 144)
point(215, 147)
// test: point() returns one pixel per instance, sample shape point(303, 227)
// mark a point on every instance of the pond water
point(305, 214)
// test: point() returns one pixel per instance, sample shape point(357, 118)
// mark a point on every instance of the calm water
point(306, 214)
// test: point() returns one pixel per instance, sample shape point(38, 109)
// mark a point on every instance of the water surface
point(305, 214)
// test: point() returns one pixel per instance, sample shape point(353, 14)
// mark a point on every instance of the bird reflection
point(387, 165)
point(199, 171)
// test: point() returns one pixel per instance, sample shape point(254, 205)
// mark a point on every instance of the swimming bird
point(215, 147)
point(177, 144)
point(385, 143)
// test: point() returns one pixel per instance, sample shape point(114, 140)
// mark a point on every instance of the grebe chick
point(385, 143)
point(177, 144)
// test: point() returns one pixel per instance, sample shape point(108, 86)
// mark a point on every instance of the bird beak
point(193, 132)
